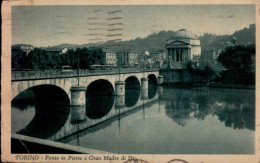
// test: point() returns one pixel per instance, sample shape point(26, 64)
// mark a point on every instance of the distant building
point(140, 58)
point(24, 47)
point(109, 57)
point(158, 57)
point(126, 58)
point(181, 47)
point(56, 51)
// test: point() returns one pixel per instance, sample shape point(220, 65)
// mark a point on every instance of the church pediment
point(176, 43)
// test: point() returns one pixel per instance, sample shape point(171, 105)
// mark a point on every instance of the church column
point(175, 55)
point(169, 50)
point(185, 52)
point(187, 55)
point(170, 53)
point(181, 56)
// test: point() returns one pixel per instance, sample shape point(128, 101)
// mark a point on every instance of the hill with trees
point(157, 41)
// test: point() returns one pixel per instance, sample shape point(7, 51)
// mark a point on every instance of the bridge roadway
point(75, 84)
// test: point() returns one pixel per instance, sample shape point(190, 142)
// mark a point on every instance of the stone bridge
point(73, 85)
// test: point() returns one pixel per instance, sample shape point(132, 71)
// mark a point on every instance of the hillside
point(244, 36)
point(156, 41)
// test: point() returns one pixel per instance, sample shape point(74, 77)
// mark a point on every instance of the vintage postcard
point(127, 81)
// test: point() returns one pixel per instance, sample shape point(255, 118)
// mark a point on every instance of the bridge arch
point(21, 82)
point(39, 127)
point(132, 91)
point(100, 87)
point(152, 79)
point(152, 86)
point(46, 93)
point(132, 82)
point(100, 98)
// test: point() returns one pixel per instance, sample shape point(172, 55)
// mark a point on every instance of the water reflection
point(230, 108)
point(18, 120)
point(131, 96)
point(167, 125)
point(48, 120)
point(144, 94)
point(132, 91)
point(120, 102)
point(78, 114)
point(152, 89)
point(98, 106)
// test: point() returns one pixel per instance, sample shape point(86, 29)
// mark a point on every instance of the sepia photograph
point(126, 79)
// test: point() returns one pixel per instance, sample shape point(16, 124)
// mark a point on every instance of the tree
point(85, 57)
point(203, 70)
point(40, 59)
point(18, 58)
point(239, 62)
point(190, 67)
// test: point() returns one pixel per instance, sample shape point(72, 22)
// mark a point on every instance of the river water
point(169, 121)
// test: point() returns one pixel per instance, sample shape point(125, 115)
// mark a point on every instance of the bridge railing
point(30, 75)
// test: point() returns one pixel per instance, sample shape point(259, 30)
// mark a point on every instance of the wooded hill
point(157, 41)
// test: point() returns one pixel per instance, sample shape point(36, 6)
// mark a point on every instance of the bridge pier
point(159, 79)
point(144, 83)
point(78, 113)
point(119, 102)
point(160, 90)
point(78, 103)
point(78, 95)
point(144, 94)
point(120, 88)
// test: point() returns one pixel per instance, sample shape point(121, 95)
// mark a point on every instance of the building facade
point(182, 47)
point(158, 57)
point(127, 58)
point(109, 58)
point(56, 51)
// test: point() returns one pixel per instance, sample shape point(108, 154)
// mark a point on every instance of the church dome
point(184, 34)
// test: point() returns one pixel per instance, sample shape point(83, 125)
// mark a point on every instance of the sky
point(53, 25)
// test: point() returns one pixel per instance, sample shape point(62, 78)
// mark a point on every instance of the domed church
point(182, 47)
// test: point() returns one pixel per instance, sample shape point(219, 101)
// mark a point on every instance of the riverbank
point(212, 85)
point(232, 86)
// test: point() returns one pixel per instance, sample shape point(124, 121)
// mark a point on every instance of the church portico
point(181, 48)
point(178, 54)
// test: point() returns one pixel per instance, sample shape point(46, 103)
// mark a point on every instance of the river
point(162, 121)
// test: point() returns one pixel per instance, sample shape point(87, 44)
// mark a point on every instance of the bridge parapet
point(52, 74)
